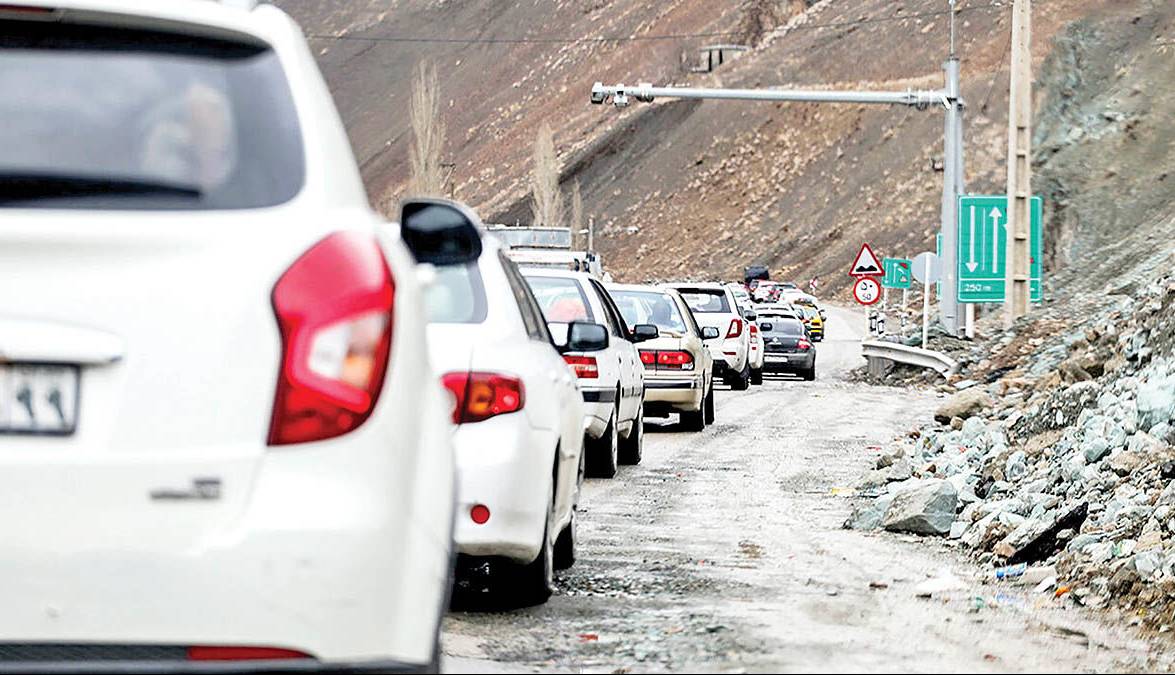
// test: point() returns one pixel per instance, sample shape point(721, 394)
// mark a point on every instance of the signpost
point(927, 270)
point(898, 273)
point(983, 241)
point(867, 291)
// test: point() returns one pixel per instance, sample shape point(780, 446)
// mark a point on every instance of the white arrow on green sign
point(897, 273)
point(983, 240)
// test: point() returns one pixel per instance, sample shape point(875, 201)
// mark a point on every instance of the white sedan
point(519, 426)
point(612, 379)
point(222, 445)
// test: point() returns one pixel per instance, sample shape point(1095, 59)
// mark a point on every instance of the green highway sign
point(897, 273)
point(983, 242)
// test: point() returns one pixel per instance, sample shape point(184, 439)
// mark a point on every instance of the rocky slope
point(700, 189)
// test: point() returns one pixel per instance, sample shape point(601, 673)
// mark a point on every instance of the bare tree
point(576, 212)
point(428, 135)
point(547, 208)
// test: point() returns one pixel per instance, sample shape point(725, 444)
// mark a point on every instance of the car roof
point(553, 272)
point(242, 16)
point(645, 288)
point(705, 285)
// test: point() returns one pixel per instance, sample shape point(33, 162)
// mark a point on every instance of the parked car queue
point(228, 383)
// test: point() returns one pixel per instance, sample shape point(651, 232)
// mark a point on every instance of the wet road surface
point(723, 552)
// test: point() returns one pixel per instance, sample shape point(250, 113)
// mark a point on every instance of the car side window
point(615, 319)
point(532, 315)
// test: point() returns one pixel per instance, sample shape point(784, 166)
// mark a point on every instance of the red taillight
point(736, 328)
point(648, 358)
point(754, 329)
point(480, 396)
point(804, 344)
point(214, 653)
point(675, 359)
point(334, 309)
point(584, 366)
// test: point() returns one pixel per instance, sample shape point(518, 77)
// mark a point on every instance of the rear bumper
point(505, 465)
point(794, 363)
point(678, 392)
point(211, 667)
point(340, 549)
point(598, 405)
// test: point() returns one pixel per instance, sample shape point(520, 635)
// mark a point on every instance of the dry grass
point(577, 223)
point(428, 135)
point(547, 206)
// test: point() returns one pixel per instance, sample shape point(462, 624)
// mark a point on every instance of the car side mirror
point(750, 316)
point(709, 333)
point(585, 337)
point(440, 232)
point(765, 327)
point(643, 332)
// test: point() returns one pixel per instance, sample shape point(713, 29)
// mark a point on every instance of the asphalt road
point(723, 551)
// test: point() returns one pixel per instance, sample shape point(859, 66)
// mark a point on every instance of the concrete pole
point(1019, 219)
point(951, 187)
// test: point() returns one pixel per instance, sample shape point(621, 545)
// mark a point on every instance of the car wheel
point(604, 452)
point(708, 406)
point(810, 374)
point(565, 545)
point(756, 376)
point(632, 448)
point(743, 380)
point(694, 420)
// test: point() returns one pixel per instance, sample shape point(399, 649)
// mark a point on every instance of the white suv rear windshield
point(705, 300)
point(118, 118)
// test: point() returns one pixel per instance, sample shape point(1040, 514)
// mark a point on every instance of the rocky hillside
point(702, 188)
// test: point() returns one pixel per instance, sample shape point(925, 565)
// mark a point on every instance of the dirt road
point(723, 551)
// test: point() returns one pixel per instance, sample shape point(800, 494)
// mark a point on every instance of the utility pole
point(949, 98)
point(1018, 255)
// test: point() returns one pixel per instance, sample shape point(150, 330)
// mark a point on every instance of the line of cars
point(247, 424)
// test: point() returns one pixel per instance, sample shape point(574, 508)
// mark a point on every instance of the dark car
point(787, 347)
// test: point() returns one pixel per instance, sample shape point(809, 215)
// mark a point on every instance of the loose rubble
point(1054, 459)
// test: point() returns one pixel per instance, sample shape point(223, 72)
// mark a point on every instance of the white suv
point(519, 435)
point(612, 380)
point(714, 305)
point(222, 445)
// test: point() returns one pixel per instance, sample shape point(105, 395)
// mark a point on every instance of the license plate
point(38, 399)
point(777, 357)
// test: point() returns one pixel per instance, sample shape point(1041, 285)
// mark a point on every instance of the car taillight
point(736, 328)
point(480, 396)
point(804, 344)
point(676, 360)
point(648, 357)
point(753, 329)
point(334, 309)
point(233, 653)
point(584, 366)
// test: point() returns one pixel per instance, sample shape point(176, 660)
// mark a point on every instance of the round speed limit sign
point(867, 291)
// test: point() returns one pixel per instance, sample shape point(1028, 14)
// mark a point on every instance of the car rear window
point(118, 118)
point(705, 301)
point(457, 295)
point(783, 327)
point(649, 307)
point(561, 299)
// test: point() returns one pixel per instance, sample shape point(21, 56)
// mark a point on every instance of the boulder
point(964, 404)
point(926, 509)
point(1156, 400)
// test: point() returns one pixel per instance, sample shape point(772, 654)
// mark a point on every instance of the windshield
point(456, 296)
point(119, 118)
point(706, 301)
point(650, 307)
point(560, 298)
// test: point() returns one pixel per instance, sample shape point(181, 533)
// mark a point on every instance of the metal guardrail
point(878, 351)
